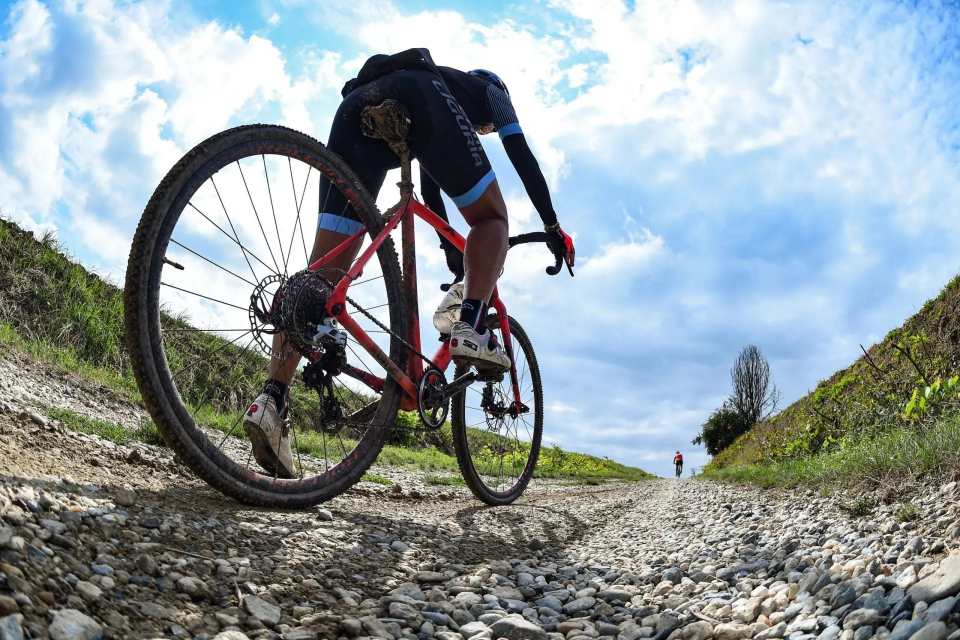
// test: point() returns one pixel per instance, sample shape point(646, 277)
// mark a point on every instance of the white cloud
point(792, 168)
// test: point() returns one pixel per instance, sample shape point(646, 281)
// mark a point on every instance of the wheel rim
point(498, 442)
point(237, 223)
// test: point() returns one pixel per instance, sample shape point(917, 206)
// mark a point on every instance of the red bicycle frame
point(402, 215)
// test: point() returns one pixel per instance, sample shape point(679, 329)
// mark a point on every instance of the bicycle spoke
point(259, 224)
point(357, 284)
point(173, 240)
point(209, 355)
point(192, 330)
point(297, 223)
point(200, 295)
point(276, 225)
point(236, 236)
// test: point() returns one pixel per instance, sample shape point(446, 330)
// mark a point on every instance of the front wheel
point(497, 446)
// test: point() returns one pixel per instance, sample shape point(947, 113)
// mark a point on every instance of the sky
point(742, 172)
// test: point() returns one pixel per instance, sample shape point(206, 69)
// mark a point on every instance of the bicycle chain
point(385, 328)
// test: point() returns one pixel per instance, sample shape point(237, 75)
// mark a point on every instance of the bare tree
point(754, 396)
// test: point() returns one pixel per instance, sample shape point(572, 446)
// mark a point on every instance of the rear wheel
point(497, 446)
point(225, 235)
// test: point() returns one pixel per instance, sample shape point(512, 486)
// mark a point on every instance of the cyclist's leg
point(486, 249)
point(337, 221)
point(451, 153)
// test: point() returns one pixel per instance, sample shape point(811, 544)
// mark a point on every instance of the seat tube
point(414, 366)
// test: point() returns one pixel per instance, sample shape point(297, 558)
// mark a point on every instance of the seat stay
point(337, 250)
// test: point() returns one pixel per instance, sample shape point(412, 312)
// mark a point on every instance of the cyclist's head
point(490, 77)
point(678, 452)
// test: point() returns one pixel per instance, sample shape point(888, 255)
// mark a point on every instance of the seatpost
point(406, 179)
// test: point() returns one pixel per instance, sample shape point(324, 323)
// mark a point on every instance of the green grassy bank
point(55, 310)
point(890, 418)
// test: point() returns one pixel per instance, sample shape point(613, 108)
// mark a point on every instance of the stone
point(147, 564)
point(70, 624)
point(700, 630)
point(11, 627)
point(943, 583)
point(514, 627)
point(906, 629)
point(935, 631)
point(324, 515)
point(860, 618)
point(429, 577)
point(399, 546)
point(8, 606)
point(535, 545)
point(730, 631)
point(231, 634)
point(673, 574)
point(403, 611)
point(908, 578)
point(262, 610)
point(89, 592)
point(774, 632)
point(472, 628)
point(126, 497)
point(193, 587)
point(579, 605)
point(374, 627)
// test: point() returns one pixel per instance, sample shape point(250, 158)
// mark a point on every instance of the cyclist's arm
point(504, 119)
point(528, 169)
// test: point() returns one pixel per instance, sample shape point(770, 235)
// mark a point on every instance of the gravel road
point(105, 541)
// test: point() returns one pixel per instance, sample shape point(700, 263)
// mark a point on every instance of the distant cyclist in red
point(678, 462)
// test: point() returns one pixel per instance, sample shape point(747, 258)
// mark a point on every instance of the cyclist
point(678, 463)
point(448, 108)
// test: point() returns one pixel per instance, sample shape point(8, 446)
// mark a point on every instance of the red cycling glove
point(570, 253)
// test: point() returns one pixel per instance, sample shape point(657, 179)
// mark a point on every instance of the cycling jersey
point(447, 107)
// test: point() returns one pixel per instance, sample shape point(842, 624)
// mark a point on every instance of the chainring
point(433, 405)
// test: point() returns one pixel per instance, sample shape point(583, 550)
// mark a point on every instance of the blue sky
point(784, 174)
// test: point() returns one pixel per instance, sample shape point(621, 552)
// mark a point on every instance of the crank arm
point(459, 385)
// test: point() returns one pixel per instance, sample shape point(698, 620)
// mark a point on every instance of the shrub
point(721, 429)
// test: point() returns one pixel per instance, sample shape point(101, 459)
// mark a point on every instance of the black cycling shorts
point(442, 139)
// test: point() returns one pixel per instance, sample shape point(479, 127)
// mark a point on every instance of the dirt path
point(82, 557)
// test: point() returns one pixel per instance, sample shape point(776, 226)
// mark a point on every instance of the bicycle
point(360, 368)
point(679, 467)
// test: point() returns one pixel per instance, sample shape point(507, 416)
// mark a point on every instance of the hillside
point(60, 313)
point(891, 414)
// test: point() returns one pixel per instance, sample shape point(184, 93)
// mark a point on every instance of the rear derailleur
point(319, 375)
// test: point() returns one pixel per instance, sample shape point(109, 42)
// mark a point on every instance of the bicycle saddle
point(389, 121)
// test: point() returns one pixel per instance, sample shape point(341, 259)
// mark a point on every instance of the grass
point(369, 477)
point(56, 311)
point(147, 432)
point(906, 512)
point(898, 454)
point(450, 481)
point(896, 401)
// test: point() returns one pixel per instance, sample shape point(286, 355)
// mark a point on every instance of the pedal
point(489, 376)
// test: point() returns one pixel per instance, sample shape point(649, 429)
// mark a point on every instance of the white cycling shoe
point(449, 310)
point(482, 351)
point(270, 435)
